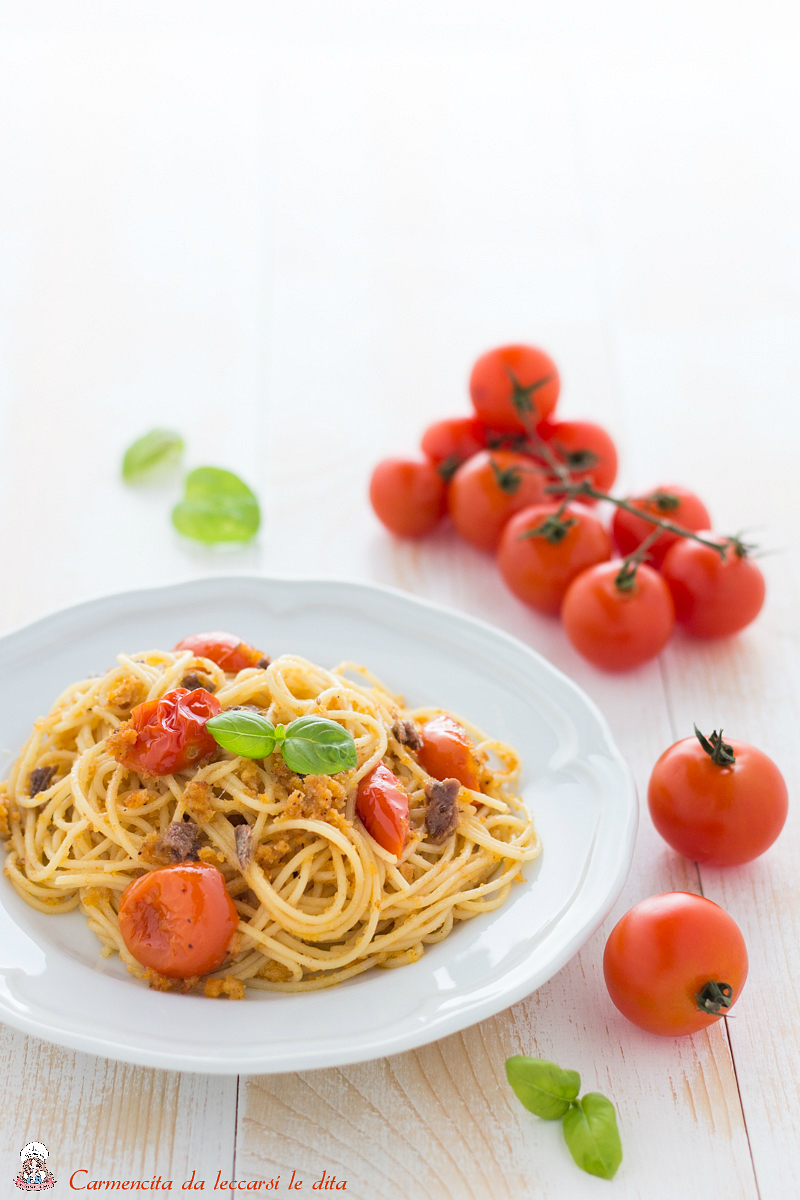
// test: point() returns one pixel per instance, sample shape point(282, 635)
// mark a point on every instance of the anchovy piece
point(39, 779)
point(244, 845)
point(182, 840)
point(441, 814)
point(407, 734)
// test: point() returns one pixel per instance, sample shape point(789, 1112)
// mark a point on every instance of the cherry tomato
point(408, 497)
point(717, 802)
point(488, 489)
point(539, 567)
point(514, 387)
point(665, 953)
point(714, 595)
point(225, 649)
point(618, 629)
point(178, 920)
point(585, 448)
point(171, 733)
point(669, 503)
point(448, 752)
point(382, 806)
point(449, 443)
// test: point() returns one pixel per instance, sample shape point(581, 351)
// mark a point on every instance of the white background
point(286, 230)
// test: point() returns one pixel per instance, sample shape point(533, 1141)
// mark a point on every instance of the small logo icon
point(34, 1175)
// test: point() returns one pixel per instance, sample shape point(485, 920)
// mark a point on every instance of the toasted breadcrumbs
point(228, 986)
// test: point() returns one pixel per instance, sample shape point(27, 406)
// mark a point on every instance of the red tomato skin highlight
point(539, 572)
point(569, 437)
point(663, 952)
point(719, 815)
point(408, 497)
point(630, 531)
point(479, 506)
point(454, 438)
point(228, 651)
point(178, 920)
point(382, 807)
point(713, 598)
point(614, 630)
point(171, 732)
point(448, 752)
point(491, 387)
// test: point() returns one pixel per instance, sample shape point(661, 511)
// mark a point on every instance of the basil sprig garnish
point(317, 746)
point(158, 448)
point(589, 1124)
point(309, 745)
point(243, 732)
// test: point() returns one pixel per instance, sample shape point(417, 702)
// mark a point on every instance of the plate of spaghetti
point(370, 820)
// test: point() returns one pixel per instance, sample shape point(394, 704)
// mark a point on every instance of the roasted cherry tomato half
point(488, 489)
point(225, 649)
point(514, 387)
point(171, 733)
point(178, 920)
point(585, 449)
point(450, 442)
point(668, 503)
point(408, 497)
point(714, 596)
point(675, 963)
point(382, 807)
point(541, 553)
point(448, 752)
point(618, 628)
point(721, 803)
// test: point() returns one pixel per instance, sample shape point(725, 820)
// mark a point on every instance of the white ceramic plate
point(55, 985)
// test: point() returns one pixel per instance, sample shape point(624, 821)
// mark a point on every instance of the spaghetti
point(318, 899)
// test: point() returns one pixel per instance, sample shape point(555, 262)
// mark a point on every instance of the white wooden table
point(286, 230)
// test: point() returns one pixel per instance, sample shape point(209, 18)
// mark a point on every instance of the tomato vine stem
point(720, 753)
point(714, 997)
point(571, 489)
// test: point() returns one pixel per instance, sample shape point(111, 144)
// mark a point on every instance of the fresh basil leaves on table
point(543, 1088)
point(217, 506)
point(309, 745)
point(590, 1131)
point(158, 448)
point(589, 1124)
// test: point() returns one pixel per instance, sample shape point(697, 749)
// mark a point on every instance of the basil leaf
point(158, 448)
point(542, 1087)
point(217, 507)
point(317, 746)
point(591, 1133)
point(243, 732)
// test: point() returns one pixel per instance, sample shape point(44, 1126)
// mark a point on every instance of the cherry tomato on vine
point(617, 623)
point(514, 387)
point(541, 553)
point(675, 963)
point(451, 442)
point(448, 752)
point(382, 807)
point(408, 497)
point(714, 595)
point(225, 649)
point(585, 448)
point(668, 503)
point(488, 489)
point(178, 920)
point(171, 733)
point(716, 802)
